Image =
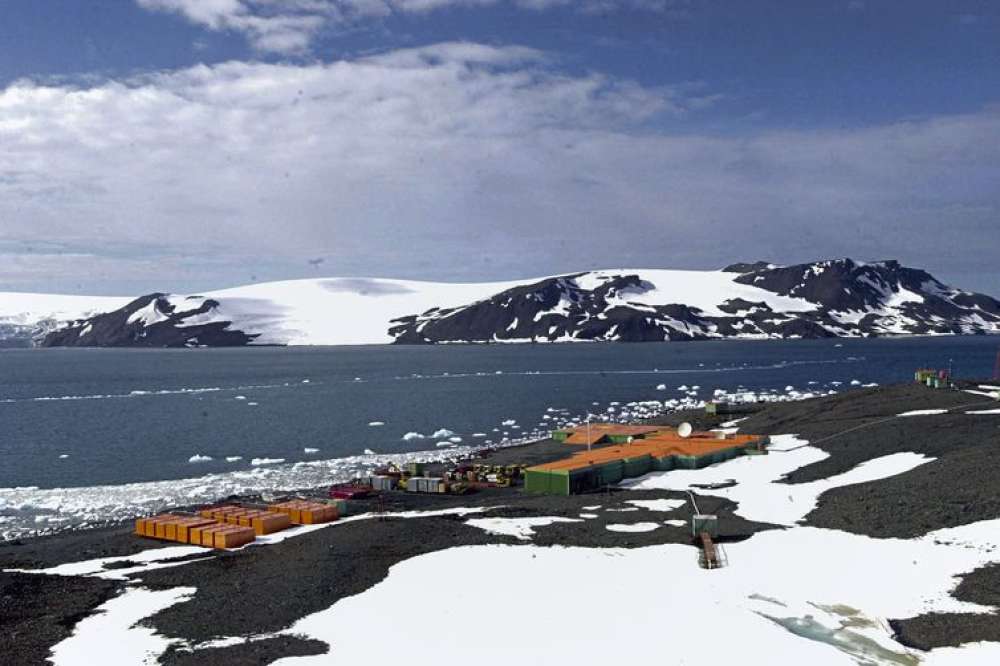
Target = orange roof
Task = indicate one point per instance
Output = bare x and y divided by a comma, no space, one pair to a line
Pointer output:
658,446
578,435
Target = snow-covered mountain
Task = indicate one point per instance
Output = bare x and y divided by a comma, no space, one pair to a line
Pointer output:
821,299
26,318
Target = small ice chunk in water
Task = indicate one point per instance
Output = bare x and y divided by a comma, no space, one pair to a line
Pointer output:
508,422
266,461
369,452
455,439
376,424
234,458
310,450
661,387
855,382
64,456
197,458
479,434
442,432
410,436
305,381
446,443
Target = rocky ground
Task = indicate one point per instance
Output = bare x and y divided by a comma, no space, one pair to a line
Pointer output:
277,585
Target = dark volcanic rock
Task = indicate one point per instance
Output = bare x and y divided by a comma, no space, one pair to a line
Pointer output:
747,268
837,298
151,321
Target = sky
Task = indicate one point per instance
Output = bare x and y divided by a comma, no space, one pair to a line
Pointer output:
187,145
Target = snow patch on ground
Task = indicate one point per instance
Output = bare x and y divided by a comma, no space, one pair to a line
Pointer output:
760,495
769,599
632,527
521,528
924,412
657,504
113,637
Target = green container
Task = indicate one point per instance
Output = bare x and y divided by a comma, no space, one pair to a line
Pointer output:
636,466
664,464
560,435
548,482
686,462
610,473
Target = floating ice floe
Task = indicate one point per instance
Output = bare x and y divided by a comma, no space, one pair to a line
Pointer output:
376,424
441,433
369,452
507,423
310,450
234,458
198,458
240,397
444,443
63,456
661,387
410,436
266,461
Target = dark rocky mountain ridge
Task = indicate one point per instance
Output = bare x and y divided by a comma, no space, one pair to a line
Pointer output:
834,298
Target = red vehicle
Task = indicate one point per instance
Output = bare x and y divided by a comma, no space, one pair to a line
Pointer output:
350,491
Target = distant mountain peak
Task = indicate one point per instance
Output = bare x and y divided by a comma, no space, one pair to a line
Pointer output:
829,298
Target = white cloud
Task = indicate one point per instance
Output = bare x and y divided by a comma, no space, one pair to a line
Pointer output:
490,154
288,26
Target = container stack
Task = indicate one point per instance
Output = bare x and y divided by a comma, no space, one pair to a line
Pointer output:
261,522
194,530
425,484
301,512
383,482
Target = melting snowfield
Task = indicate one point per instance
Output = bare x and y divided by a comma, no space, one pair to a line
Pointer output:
779,596
760,496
